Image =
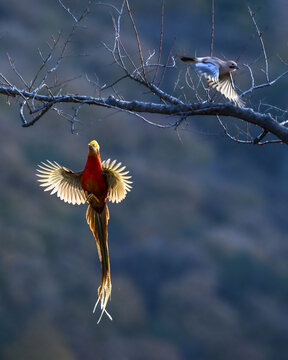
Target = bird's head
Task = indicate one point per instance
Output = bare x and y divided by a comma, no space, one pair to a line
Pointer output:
232,65
93,147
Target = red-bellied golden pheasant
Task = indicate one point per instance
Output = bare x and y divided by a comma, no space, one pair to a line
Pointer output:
98,182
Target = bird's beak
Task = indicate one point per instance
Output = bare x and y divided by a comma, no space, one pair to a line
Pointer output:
237,67
93,147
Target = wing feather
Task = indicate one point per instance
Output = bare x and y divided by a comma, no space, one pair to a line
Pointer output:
209,70
118,182
225,86
62,181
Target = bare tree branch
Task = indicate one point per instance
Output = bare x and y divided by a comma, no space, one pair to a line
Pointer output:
265,121
39,96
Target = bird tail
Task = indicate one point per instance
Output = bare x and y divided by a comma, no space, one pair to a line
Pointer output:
189,60
98,223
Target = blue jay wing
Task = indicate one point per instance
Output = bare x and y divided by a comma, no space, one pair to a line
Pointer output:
209,70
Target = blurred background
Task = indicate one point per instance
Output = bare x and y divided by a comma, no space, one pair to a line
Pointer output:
199,247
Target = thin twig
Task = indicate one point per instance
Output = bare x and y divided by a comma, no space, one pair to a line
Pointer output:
251,75
212,27
12,64
160,41
68,11
260,137
137,39
270,83
45,60
117,37
166,65
262,43
39,116
231,137
105,87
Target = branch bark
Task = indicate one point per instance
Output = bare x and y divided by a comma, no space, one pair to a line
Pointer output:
33,106
265,121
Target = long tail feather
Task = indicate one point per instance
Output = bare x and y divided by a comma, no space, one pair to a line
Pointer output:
98,224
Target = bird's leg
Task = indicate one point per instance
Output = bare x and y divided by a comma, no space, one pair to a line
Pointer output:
93,200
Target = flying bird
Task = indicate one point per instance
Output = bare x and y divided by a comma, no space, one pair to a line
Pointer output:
218,75
99,181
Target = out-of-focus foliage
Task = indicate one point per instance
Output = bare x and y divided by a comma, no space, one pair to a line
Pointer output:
199,247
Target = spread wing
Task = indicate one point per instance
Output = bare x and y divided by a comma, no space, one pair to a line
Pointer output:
117,180
209,70
62,181
225,86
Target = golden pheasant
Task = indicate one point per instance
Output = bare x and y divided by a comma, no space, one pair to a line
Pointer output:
98,182
218,74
